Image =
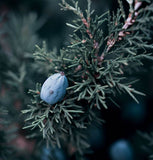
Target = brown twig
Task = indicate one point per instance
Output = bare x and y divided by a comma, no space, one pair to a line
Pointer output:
95,43
129,22
86,23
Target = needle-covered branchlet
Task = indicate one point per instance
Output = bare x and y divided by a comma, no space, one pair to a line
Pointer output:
128,23
95,63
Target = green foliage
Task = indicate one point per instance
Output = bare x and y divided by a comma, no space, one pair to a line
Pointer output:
6,135
96,65
17,47
3,147
59,121
145,143
21,38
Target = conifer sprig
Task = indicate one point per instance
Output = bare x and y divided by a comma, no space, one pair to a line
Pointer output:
95,64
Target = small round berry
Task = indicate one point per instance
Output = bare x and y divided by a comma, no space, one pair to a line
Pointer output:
54,88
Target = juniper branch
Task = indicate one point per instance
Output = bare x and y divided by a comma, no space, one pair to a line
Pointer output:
93,77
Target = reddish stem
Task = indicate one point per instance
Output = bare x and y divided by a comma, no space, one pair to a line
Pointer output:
129,22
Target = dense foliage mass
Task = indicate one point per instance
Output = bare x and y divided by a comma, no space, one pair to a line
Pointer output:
96,64
99,63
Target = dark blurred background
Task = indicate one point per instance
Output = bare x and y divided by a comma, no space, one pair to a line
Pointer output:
119,137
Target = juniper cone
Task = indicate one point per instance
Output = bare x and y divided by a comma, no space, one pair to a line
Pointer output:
54,88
